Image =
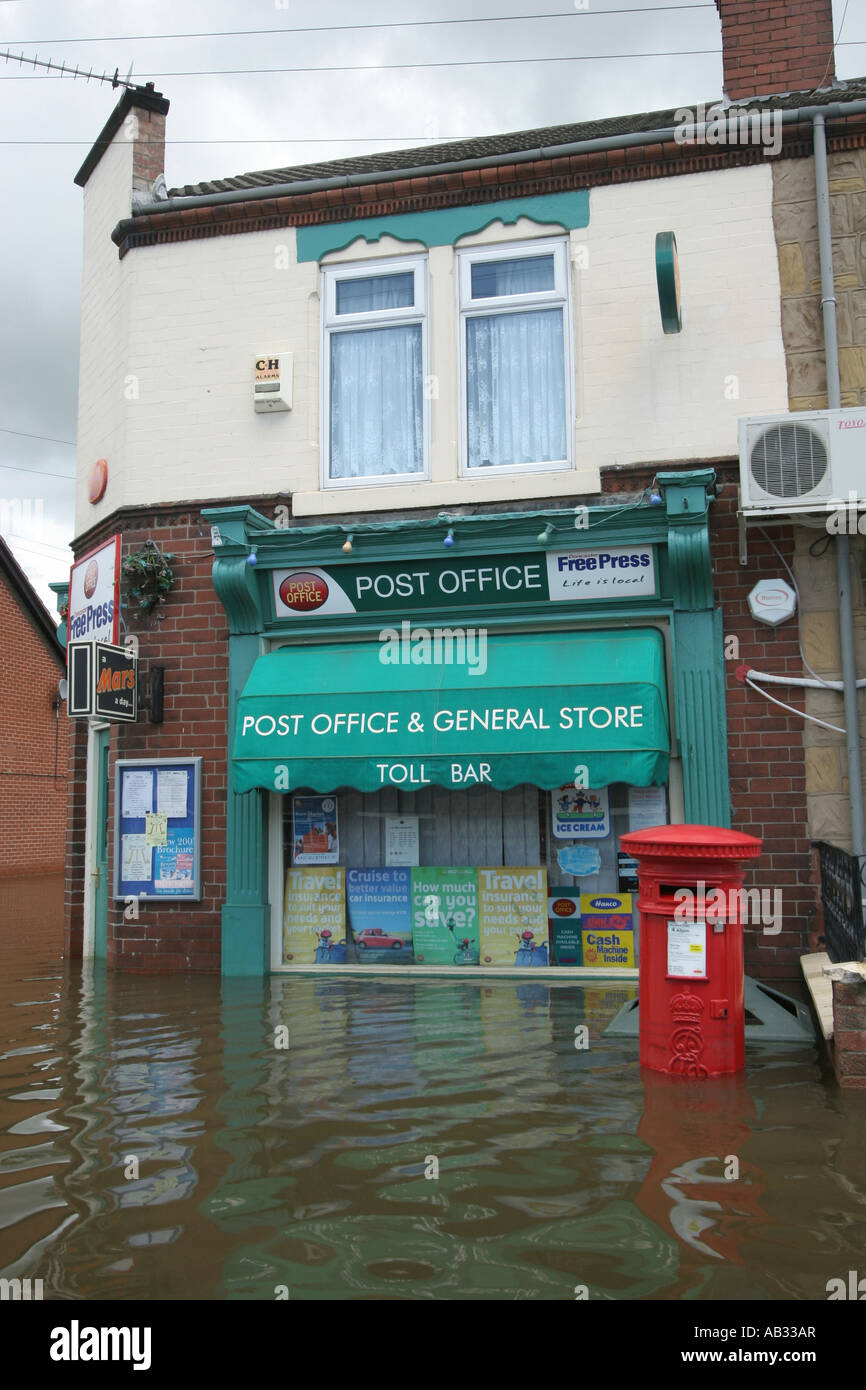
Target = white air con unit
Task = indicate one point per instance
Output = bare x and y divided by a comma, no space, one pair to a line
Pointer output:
807,461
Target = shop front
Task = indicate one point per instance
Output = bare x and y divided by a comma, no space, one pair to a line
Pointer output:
439,730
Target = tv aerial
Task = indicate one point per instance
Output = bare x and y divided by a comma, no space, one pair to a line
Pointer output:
66,71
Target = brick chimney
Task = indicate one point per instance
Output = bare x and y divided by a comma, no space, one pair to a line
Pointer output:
137,124
776,46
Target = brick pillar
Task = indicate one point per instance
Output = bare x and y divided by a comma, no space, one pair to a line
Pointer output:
148,151
776,46
849,1034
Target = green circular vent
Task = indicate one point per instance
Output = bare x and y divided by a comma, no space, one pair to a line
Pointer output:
788,461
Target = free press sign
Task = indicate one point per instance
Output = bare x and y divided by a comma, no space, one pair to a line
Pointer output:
94,608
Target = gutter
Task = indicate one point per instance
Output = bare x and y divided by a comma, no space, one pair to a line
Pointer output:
594,145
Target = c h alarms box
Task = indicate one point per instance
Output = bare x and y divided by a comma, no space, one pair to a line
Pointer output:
272,388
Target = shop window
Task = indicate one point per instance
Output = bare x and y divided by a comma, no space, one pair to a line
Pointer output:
516,356
374,369
520,878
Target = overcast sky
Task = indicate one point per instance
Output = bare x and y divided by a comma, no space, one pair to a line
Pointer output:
227,123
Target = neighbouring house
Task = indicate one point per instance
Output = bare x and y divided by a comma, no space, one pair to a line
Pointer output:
34,730
485,395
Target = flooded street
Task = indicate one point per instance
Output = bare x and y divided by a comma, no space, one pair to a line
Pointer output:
416,1139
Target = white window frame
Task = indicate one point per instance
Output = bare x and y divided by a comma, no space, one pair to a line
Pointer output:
559,296
332,322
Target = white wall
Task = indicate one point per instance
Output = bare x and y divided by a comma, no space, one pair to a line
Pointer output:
181,325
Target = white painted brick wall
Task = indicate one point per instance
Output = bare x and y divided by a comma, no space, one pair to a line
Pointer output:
188,320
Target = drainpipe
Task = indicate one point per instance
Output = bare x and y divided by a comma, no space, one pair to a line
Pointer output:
843,555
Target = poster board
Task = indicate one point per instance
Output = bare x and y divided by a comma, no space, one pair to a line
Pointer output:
157,828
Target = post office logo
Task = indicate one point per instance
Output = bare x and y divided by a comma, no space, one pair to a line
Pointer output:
303,592
564,907
91,579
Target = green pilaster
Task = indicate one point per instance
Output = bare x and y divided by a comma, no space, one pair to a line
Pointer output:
245,914
699,692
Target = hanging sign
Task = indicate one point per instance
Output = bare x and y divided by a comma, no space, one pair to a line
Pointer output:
314,830
580,814
94,607
103,681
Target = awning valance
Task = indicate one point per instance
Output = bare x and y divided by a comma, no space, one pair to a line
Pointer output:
503,710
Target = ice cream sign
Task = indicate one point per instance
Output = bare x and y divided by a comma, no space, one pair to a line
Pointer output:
558,576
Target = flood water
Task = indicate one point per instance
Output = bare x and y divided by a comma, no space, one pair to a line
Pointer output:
157,1143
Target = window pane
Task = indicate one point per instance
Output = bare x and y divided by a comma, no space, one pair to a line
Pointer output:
377,411
515,388
522,275
370,292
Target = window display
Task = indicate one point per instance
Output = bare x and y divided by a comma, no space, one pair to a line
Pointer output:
498,884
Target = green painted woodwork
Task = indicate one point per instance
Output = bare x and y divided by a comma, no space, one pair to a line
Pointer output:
445,226
62,592
699,702
245,914
679,531
668,282
100,904
597,699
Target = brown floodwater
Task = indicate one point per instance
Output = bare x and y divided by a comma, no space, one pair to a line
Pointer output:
416,1139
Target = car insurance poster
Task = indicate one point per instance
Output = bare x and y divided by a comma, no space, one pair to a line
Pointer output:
512,913
314,916
445,916
380,919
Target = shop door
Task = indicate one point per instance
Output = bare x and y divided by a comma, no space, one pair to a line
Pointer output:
100,905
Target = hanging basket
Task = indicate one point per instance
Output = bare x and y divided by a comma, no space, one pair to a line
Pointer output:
149,577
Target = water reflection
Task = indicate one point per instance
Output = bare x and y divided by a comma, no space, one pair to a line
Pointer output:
429,1139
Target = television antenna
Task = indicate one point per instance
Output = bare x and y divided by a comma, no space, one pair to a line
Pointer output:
66,71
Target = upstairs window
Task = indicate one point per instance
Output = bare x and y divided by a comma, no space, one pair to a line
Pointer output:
375,362
515,357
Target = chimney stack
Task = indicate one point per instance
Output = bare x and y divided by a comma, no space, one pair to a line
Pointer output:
776,46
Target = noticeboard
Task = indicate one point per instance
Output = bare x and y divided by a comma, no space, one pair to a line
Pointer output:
157,828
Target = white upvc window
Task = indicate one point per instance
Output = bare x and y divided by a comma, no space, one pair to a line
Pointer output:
375,423
516,364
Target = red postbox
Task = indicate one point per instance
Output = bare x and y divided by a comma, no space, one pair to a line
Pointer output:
690,879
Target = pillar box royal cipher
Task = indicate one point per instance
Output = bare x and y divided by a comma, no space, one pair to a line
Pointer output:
692,1020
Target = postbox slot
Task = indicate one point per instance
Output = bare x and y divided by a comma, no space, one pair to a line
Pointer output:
670,890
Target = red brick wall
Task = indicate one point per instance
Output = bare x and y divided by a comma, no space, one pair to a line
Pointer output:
776,46
32,746
188,636
766,758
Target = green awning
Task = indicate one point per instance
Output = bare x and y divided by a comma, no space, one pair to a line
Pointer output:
526,707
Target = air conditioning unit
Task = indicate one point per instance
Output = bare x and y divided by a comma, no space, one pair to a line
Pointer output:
807,461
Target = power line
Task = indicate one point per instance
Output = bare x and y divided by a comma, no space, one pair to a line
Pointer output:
22,434
452,63
355,28
42,472
265,140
